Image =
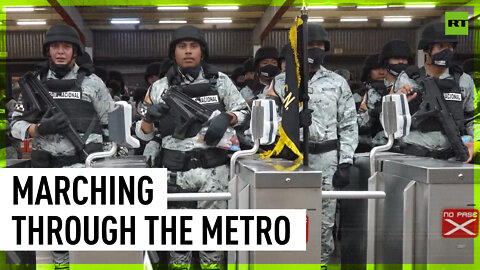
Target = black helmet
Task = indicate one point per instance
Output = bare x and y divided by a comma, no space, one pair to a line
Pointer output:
435,33
371,62
248,65
188,32
468,65
152,69
62,33
317,33
239,71
264,53
395,49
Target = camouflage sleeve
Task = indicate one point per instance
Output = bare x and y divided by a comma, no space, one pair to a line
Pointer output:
19,127
102,102
232,99
279,85
347,128
247,93
468,92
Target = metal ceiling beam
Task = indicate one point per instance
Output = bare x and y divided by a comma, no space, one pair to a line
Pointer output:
72,17
269,19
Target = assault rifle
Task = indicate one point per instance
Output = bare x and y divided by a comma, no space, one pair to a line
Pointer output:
187,110
434,105
36,98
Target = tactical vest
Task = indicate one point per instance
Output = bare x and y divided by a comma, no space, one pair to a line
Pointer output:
452,94
203,93
68,95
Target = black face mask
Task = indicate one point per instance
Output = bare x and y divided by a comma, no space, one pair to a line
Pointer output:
443,58
191,72
269,71
315,57
60,71
241,84
396,69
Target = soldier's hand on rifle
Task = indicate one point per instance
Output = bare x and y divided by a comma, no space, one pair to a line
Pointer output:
306,118
216,128
54,124
153,112
408,90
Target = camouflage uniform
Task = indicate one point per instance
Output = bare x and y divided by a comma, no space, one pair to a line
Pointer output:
247,92
435,140
366,120
200,180
94,91
334,117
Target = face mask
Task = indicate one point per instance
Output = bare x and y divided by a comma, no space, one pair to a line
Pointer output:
269,71
60,71
443,58
315,57
191,72
241,84
396,69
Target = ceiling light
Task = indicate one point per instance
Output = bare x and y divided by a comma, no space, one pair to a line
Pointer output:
396,19
222,7
371,7
125,21
217,20
18,9
353,19
322,7
315,19
31,22
173,21
171,8
396,6
419,6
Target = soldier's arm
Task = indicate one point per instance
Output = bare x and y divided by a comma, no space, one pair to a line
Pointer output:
234,103
146,130
22,129
102,102
347,127
468,89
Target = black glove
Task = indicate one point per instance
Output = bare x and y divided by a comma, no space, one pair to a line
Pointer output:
153,112
341,178
306,118
56,123
216,128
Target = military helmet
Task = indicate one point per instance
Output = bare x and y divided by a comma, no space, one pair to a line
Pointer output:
435,33
188,32
395,49
62,33
248,65
264,53
317,33
153,69
283,51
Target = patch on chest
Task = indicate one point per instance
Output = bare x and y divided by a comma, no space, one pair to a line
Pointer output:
207,99
452,96
66,95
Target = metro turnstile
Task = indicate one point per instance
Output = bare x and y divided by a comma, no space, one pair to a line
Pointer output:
409,221
277,184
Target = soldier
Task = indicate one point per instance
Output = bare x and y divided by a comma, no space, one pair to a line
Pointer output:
199,167
81,95
333,132
238,77
152,72
457,88
373,75
395,57
266,68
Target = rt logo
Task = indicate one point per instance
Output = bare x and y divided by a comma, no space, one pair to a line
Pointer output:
456,23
